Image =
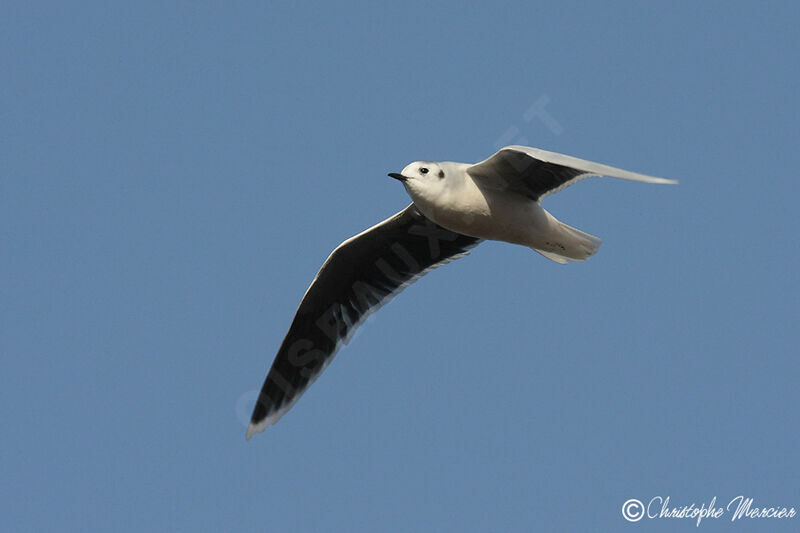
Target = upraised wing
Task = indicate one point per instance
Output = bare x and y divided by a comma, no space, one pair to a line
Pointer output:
537,173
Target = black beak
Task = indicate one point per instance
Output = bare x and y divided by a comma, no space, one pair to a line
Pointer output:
397,176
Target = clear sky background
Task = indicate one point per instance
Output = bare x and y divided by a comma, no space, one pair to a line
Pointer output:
173,174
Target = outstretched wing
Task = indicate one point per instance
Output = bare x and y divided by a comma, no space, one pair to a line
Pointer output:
360,276
537,173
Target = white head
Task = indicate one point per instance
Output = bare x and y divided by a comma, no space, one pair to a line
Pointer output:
425,180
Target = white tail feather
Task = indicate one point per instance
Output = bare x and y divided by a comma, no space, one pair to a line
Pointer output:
566,243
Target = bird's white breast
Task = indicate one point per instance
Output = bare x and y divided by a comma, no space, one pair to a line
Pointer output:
493,214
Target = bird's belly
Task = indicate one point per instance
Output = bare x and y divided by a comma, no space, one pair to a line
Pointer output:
501,217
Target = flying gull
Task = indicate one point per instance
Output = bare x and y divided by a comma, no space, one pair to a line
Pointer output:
454,207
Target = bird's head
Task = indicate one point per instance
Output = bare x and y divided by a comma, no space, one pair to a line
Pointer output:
423,178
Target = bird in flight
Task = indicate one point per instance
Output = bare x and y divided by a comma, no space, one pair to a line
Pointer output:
454,207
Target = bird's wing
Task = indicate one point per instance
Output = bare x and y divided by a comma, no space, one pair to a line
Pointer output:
537,173
362,274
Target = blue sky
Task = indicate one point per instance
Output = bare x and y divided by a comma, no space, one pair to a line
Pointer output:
172,176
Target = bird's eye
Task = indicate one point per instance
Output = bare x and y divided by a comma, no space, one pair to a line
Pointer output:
441,173
423,170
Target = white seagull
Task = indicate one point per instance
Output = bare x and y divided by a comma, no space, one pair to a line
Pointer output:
454,207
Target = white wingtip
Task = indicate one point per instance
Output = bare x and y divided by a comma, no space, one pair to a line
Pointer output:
652,179
611,172
252,429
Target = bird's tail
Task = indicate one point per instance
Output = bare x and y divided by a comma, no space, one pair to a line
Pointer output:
564,243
